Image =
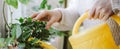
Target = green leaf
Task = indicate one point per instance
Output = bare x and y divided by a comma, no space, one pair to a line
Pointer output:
36,48
13,32
18,31
21,45
56,32
32,42
6,47
13,3
21,20
48,7
8,41
2,44
29,19
35,29
61,1
24,1
26,36
42,5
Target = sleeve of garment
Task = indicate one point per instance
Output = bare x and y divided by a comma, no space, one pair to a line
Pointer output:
115,6
69,17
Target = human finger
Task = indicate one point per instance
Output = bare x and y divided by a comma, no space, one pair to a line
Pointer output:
34,15
50,22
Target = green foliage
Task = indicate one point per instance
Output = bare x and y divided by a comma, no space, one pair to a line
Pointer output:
42,5
21,44
35,29
34,44
29,28
24,1
21,20
2,42
56,32
61,1
13,3
16,31
8,41
13,32
48,7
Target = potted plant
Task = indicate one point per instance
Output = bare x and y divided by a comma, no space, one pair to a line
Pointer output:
28,33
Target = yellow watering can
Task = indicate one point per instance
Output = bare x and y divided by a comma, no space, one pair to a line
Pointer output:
42,44
98,37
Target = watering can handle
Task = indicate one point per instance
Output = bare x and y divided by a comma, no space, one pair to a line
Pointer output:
83,17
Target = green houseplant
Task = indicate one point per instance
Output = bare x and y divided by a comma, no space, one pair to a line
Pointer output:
19,33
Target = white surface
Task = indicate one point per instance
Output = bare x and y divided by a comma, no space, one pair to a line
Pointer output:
57,42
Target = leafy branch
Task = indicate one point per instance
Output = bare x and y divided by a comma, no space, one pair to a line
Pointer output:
33,28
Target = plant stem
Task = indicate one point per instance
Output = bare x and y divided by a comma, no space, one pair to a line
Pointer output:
5,16
11,13
8,27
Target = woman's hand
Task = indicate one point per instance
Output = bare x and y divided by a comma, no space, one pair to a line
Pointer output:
101,10
51,16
